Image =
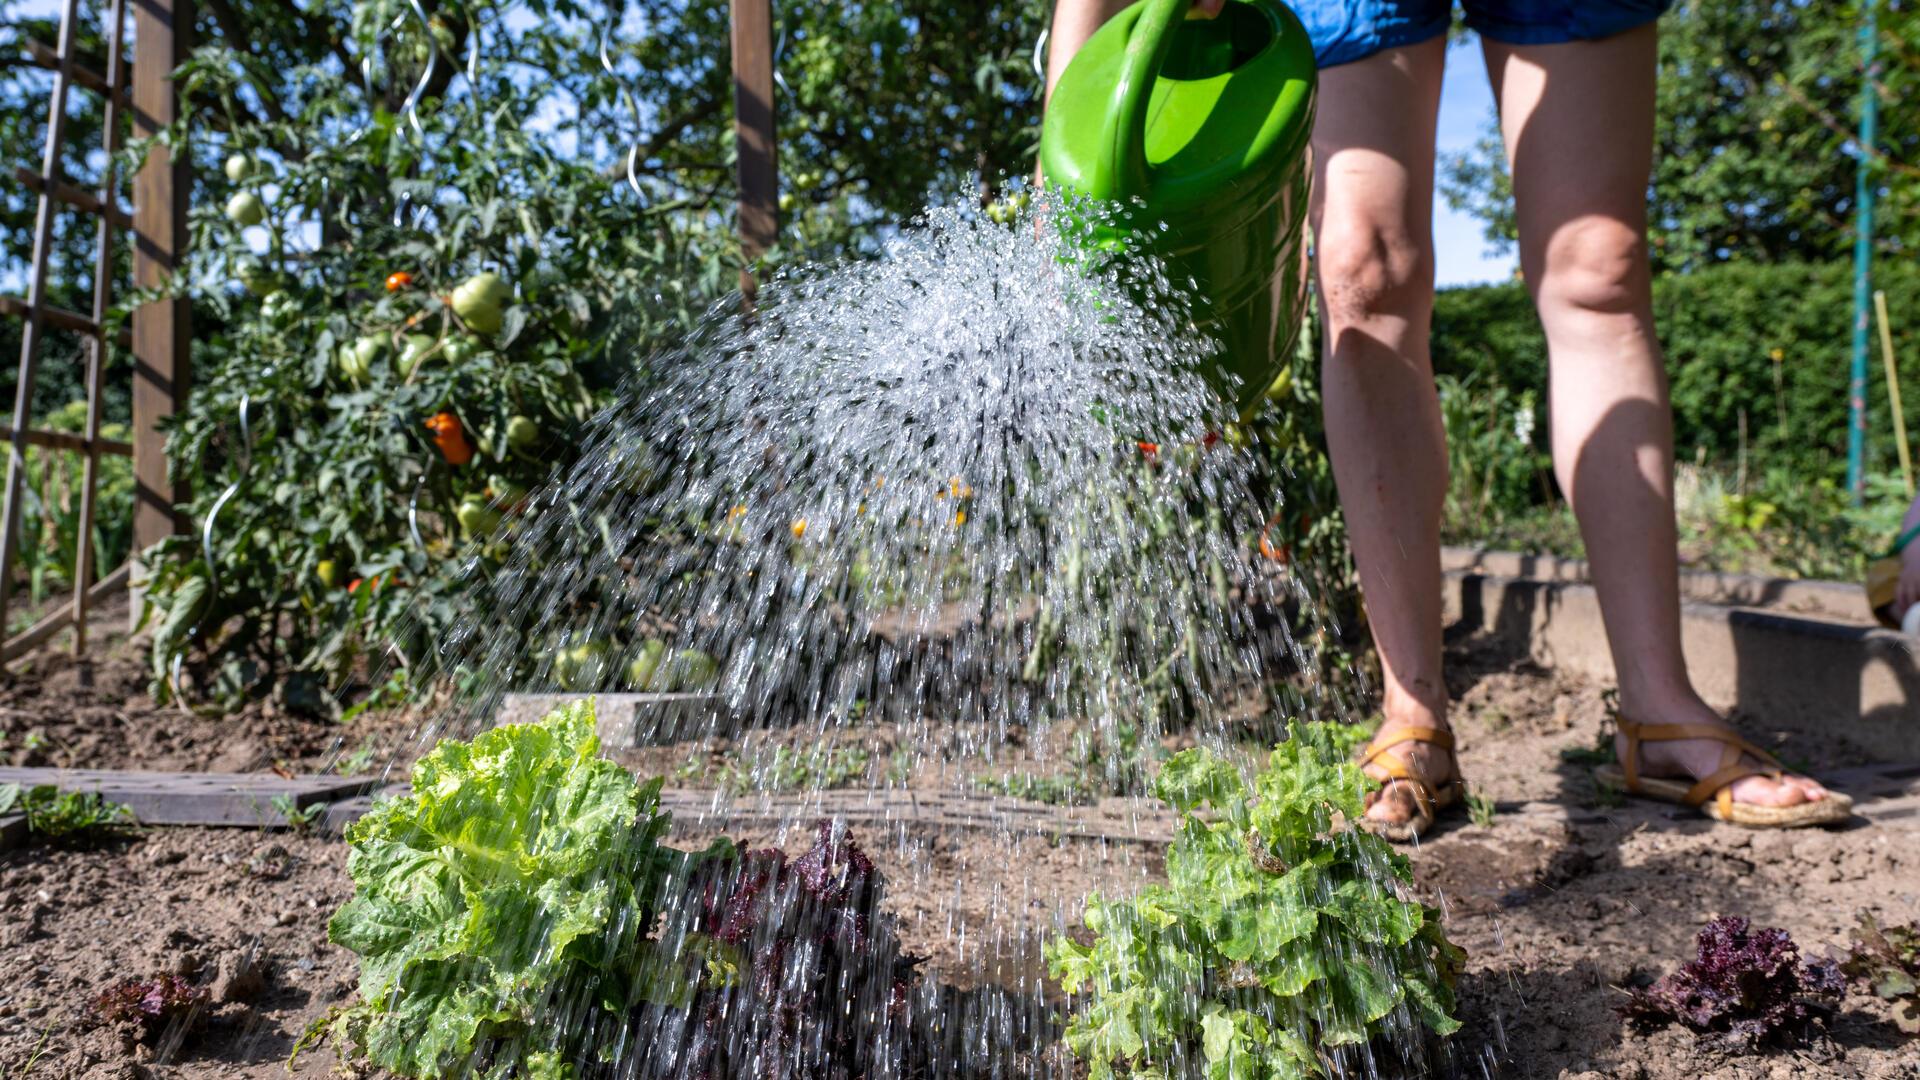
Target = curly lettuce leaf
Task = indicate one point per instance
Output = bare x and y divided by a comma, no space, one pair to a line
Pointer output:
502,880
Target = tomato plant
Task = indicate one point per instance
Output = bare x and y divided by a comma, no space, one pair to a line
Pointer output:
366,418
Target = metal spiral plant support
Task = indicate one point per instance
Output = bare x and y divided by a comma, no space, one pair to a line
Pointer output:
411,107
626,96
245,458
413,507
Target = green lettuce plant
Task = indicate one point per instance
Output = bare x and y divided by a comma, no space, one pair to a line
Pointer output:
1281,941
512,885
519,915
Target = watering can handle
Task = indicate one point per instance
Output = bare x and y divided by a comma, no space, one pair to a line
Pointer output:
1148,42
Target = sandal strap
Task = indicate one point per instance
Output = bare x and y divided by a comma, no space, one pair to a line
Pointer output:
1397,772
1720,783
1734,748
1441,739
1424,793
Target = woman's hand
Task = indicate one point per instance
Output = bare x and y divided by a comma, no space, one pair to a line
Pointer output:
1206,9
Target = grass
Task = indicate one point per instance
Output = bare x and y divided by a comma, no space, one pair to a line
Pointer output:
1481,810
300,819
67,817
1600,753
356,762
39,1050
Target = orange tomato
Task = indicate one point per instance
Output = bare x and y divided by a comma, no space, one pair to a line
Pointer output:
398,280
373,586
450,438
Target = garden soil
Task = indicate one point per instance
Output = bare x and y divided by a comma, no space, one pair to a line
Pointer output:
1564,900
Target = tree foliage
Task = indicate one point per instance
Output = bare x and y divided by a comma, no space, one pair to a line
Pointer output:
1754,349
1755,150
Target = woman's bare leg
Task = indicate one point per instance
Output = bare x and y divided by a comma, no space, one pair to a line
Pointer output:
1578,123
1372,216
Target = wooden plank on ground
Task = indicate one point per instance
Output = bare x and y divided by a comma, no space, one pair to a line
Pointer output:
175,798
345,812
1883,793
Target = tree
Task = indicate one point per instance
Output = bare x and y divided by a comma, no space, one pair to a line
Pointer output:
1754,157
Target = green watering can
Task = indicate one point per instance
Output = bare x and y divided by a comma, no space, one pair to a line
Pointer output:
1206,122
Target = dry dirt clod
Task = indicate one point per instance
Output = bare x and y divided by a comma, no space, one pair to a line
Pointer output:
239,976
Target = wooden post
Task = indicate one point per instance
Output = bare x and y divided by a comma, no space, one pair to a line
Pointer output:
1893,390
162,330
759,167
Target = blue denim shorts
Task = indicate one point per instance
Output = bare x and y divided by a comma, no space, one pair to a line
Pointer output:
1347,30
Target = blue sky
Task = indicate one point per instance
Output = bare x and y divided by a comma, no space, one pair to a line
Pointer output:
1465,105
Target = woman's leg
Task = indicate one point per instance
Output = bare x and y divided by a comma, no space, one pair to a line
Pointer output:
1578,123
1372,217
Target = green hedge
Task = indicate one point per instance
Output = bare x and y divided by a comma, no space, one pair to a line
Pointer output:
1721,328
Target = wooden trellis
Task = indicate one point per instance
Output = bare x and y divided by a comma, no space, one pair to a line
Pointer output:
160,329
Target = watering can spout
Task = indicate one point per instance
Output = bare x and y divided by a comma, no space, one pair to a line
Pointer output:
1202,125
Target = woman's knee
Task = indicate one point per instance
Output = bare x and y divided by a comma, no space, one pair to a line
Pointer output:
1594,265
1370,268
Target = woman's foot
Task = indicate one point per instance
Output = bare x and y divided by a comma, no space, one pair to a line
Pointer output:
1417,751
1696,759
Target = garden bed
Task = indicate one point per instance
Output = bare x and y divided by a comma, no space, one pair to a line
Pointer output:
1561,901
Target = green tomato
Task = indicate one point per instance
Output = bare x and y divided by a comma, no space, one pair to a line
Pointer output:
460,348
580,667
522,432
413,352
691,669
480,301
507,491
788,201
641,669
477,519
256,278
356,360
278,307
246,209
328,572
238,167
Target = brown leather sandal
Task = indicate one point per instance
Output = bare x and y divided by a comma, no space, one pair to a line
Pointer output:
1712,795
1427,800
